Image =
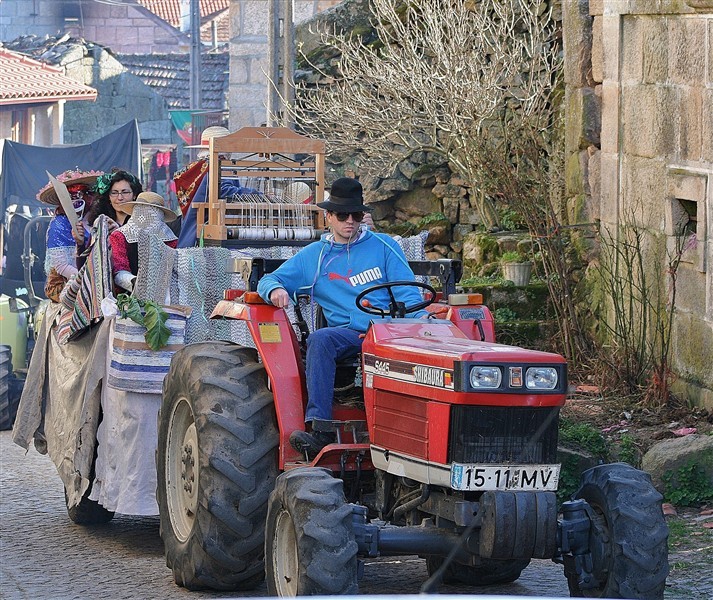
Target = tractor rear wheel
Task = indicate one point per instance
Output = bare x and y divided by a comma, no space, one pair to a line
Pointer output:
217,463
629,539
488,572
309,543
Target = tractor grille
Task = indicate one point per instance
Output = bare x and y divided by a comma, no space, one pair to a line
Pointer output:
522,435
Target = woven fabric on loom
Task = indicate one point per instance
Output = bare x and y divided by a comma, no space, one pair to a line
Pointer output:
134,367
81,297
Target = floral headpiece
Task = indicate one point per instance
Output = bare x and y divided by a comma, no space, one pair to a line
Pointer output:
104,182
69,177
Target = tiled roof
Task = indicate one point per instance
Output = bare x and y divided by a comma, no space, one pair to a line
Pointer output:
24,80
170,11
168,75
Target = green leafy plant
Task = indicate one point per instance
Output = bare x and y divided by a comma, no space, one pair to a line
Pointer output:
687,485
513,256
503,315
629,451
511,220
431,219
150,315
584,436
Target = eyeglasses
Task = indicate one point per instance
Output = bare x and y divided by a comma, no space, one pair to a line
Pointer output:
357,216
115,193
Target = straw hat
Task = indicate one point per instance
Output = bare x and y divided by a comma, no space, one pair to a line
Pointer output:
70,177
209,133
150,199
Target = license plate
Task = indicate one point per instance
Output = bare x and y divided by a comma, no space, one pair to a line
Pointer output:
537,478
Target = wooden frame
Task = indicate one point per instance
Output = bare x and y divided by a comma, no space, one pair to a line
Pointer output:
267,153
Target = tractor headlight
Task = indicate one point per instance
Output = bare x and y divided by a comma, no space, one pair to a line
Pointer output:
485,377
541,378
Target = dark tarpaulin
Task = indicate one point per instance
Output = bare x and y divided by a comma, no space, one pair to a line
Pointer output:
24,166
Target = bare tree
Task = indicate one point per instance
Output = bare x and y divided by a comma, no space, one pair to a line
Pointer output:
444,77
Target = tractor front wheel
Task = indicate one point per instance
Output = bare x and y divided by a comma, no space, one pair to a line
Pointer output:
628,541
217,463
309,543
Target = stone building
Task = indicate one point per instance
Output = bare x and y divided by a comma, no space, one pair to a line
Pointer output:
121,95
639,93
141,27
249,56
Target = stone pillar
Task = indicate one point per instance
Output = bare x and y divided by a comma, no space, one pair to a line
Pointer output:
583,111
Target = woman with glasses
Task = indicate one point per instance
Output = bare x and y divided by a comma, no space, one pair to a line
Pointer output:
334,271
114,190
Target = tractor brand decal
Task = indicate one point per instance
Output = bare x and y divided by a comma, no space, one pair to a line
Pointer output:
429,375
269,333
403,371
515,376
381,367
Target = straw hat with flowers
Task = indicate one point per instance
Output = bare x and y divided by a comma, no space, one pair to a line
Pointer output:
70,177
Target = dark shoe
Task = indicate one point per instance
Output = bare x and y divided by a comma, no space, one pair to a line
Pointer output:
310,444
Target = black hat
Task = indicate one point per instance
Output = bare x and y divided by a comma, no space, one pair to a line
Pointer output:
345,196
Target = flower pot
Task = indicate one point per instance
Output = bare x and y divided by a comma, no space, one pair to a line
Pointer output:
518,273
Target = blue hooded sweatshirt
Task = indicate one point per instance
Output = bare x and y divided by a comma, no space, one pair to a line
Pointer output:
334,274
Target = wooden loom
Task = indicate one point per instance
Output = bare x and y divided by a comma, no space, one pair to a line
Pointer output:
286,168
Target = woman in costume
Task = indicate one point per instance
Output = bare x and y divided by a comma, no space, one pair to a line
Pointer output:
63,244
149,216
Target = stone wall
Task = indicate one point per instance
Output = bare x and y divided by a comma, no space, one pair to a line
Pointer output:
121,97
639,95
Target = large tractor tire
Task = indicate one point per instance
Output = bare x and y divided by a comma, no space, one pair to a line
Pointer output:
88,512
217,463
7,414
488,572
629,539
309,543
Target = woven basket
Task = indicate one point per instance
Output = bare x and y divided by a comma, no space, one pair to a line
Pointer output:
134,366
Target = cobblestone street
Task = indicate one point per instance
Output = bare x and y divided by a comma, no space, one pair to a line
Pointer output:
45,555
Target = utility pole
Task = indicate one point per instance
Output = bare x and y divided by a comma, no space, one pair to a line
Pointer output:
281,58
195,62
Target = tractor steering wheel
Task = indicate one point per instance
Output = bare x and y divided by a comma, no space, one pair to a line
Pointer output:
396,308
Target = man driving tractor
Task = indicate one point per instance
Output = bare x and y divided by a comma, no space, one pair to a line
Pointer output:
333,271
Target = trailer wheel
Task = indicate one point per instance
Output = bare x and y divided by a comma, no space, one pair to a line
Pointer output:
88,512
629,539
217,463
488,572
309,543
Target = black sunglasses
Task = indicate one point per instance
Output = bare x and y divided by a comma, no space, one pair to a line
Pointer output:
357,216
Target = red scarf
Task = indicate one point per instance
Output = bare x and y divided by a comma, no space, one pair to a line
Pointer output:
187,181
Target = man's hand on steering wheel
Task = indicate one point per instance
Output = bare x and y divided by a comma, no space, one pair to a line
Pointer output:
396,308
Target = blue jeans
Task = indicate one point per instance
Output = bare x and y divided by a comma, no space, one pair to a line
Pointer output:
324,348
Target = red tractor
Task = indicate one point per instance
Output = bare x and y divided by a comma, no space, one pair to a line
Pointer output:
446,448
